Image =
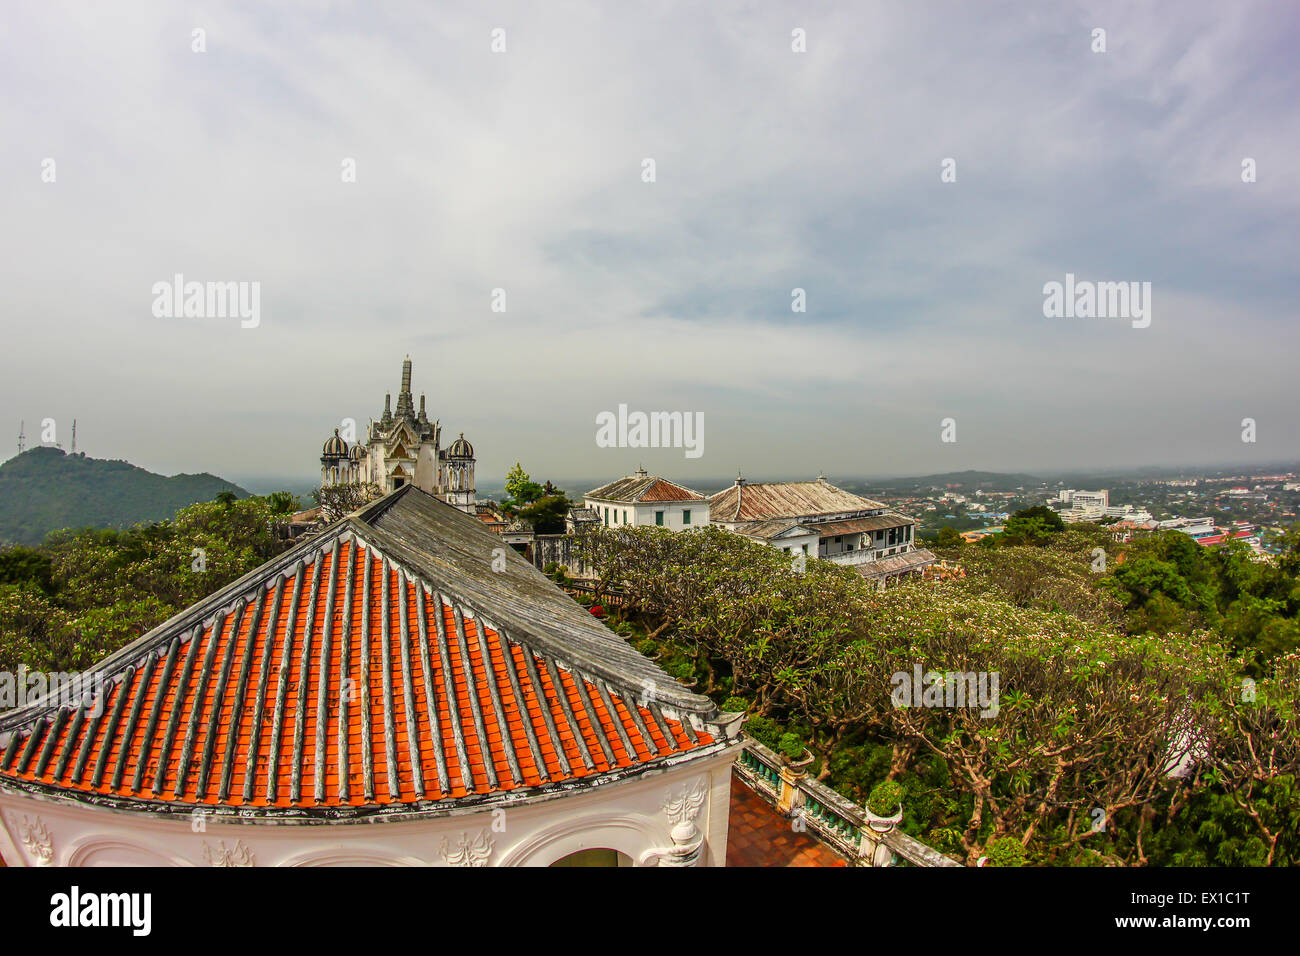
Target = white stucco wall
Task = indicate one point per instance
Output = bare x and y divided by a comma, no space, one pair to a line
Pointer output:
643,515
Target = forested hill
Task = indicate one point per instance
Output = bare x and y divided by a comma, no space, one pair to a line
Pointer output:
45,489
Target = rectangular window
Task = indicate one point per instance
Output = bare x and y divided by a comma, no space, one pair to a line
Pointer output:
686,516
606,516
805,549
659,517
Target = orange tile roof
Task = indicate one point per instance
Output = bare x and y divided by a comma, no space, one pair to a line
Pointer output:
346,680
644,487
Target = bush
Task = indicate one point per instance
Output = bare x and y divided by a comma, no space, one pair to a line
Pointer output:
1005,851
764,730
886,798
734,705
683,669
791,747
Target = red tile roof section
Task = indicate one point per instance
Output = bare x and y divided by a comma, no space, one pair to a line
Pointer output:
347,627
663,490
642,487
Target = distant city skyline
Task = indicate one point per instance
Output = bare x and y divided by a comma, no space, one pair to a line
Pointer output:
916,178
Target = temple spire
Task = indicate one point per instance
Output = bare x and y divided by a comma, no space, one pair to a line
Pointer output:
405,407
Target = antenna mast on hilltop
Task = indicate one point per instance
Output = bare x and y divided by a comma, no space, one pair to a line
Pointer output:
74,436
22,439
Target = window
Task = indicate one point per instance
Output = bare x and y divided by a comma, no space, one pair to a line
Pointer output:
839,538
786,550
686,516
606,516
805,549
625,517
659,517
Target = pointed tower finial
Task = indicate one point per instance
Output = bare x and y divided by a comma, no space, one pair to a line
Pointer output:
405,407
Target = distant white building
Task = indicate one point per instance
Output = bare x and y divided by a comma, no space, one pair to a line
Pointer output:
820,520
643,499
1123,512
1085,499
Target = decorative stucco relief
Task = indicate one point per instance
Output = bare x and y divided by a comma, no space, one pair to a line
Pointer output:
468,852
36,838
238,855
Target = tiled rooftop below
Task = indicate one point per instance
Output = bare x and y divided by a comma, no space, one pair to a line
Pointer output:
759,836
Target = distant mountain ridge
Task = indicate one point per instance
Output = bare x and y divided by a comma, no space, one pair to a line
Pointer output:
965,480
45,489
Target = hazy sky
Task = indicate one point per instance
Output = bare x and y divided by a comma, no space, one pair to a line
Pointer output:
775,170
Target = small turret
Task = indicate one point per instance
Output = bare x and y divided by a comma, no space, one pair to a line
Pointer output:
335,447
460,448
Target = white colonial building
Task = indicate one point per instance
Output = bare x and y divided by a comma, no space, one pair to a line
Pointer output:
404,448
820,520
398,690
643,499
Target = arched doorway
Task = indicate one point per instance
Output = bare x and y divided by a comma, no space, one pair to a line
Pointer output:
597,856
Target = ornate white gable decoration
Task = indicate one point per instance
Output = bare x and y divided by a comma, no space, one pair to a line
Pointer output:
467,852
239,855
688,841
687,806
36,838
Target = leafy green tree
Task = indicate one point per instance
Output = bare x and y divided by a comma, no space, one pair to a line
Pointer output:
108,587
282,502
20,565
547,513
1034,526
521,490
949,537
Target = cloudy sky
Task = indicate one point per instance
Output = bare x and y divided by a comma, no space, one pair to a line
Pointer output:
523,170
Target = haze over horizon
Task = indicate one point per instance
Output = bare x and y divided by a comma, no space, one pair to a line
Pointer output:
775,170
